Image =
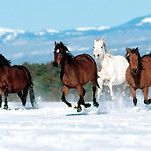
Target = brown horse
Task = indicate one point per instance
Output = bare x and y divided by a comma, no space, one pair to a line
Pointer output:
75,73
15,79
138,74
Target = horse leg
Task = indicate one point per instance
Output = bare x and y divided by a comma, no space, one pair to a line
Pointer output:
6,95
123,90
95,103
64,94
94,81
111,90
23,96
84,92
146,100
81,100
134,95
0,98
100,83
32,97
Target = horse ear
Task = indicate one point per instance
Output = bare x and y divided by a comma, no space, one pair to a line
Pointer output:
55,43
128,50
61,43
137,49
102,39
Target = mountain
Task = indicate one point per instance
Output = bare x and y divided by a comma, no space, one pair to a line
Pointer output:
20,46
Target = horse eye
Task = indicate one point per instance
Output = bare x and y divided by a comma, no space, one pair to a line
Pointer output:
93,47
102,47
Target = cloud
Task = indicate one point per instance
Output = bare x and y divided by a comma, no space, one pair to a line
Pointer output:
18,55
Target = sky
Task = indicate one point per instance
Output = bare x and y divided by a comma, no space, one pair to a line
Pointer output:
38,15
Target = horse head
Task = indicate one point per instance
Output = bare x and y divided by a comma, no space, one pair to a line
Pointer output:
59,53
134,59
99,48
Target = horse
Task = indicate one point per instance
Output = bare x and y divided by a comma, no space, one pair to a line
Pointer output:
138,74
15,79
75,73
111,69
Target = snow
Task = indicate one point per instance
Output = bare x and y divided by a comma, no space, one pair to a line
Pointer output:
12,34
145,20
92,28
115,125
50,31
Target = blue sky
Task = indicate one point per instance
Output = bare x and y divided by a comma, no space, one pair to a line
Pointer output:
37,15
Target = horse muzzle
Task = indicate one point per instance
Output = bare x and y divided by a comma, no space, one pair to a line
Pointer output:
134,71
55,64
96,56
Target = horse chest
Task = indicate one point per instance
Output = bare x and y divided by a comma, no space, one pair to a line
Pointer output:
137,82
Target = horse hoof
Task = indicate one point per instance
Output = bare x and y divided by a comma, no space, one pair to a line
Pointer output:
87,105
5,107
96,104
79,109
147,102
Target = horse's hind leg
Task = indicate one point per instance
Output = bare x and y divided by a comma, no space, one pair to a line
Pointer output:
95,103
23,96
0,98
94,81
6,95
80,90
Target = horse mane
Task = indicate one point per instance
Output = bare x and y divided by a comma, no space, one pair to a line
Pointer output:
4,61
69,56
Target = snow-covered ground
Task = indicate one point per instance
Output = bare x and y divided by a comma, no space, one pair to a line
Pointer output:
114,126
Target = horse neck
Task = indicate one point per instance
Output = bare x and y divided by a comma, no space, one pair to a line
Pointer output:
65,67
102,58
4,68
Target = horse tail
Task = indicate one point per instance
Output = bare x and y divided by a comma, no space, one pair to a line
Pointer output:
31,90
32,97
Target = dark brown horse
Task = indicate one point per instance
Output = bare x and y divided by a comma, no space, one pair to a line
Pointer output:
138,74
15,79
75,73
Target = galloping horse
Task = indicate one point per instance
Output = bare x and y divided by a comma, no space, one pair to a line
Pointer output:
75,73
15,79
111,69
138,74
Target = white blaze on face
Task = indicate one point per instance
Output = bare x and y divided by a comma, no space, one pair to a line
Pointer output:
58,51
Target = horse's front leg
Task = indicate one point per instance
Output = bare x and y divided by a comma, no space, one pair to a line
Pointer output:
146,100
6,95
123,89
134,95
100,83
111,90
64,94
65,90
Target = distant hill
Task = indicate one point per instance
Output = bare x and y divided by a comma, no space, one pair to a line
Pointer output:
20,46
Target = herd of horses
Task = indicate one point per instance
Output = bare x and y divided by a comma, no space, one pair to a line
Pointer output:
77,71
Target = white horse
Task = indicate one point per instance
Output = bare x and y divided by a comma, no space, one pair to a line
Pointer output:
111,69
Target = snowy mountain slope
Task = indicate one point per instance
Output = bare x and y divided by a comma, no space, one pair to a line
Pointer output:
21,46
